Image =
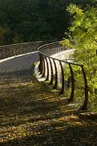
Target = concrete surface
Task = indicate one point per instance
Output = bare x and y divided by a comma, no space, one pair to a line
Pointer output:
19,62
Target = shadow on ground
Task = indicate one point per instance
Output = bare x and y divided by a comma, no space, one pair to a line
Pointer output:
31,115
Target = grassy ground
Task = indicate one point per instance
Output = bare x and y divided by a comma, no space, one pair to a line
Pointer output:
31,115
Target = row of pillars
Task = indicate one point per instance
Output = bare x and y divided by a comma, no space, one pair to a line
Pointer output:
4,53
48,68
17,50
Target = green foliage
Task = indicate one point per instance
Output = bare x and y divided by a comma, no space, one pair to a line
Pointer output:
33,20
82,36
17,39
2,33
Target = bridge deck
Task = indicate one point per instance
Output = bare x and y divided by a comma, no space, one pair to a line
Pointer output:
32,115
19,62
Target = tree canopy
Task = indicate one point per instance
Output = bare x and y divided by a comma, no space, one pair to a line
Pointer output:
31,20
82,35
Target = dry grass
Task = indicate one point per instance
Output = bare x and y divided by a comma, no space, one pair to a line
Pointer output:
31,115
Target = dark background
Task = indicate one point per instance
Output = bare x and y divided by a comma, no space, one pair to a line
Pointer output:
34,20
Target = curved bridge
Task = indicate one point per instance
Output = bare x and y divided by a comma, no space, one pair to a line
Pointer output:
18,57
49,68
30,113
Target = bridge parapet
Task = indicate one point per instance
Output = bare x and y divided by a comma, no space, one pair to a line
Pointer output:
17,49
51,67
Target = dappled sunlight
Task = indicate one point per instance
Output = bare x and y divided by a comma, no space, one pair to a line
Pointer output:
31,114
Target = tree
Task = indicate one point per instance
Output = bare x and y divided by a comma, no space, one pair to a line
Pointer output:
31,20
2,33
82,35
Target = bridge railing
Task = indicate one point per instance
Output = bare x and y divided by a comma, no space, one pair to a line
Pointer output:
17,49
49,69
